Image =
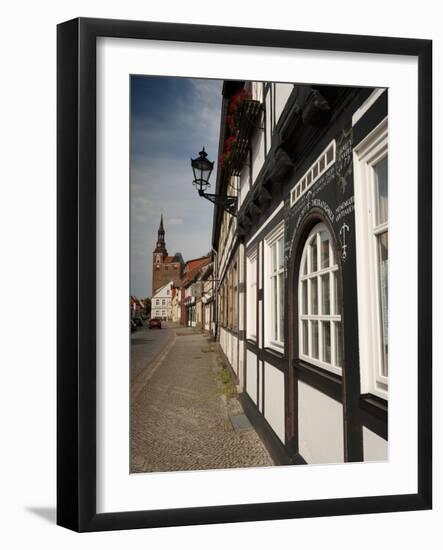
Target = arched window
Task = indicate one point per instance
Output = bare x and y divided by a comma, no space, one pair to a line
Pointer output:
320,302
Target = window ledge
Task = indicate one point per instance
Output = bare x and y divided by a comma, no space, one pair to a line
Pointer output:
320,378
279,353
374,405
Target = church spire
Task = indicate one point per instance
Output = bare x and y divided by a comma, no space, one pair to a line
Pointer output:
161,228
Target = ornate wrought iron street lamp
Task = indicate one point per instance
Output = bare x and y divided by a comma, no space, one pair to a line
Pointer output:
202,169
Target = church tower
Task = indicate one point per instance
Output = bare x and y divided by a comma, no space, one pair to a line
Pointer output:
165,268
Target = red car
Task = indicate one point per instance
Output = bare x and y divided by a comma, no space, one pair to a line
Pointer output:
155,323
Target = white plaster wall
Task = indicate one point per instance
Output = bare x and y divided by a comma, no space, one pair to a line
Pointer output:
320,424
243,185
375,448
223,340
275,400
282,93
258,153
226,350
260,386
268,121
251,375
234,354
241,377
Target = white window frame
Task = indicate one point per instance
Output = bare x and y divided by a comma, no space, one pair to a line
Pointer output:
251,294
272,238
371,150
332,317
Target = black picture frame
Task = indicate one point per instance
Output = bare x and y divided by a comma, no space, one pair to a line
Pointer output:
76,264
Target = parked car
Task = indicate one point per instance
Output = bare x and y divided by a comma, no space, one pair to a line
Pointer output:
155,323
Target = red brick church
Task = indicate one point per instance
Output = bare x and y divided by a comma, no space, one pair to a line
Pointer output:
165,268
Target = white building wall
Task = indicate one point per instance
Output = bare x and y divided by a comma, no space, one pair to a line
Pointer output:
258,153
375,448
222,339
241,365
234,353
260,386
274,405
243,185
282,93
251,375
163,294
228,347
268,119
320,426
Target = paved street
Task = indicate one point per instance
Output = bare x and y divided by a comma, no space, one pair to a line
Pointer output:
184,407
145,345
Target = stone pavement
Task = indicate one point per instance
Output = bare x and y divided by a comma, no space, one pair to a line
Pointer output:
181,410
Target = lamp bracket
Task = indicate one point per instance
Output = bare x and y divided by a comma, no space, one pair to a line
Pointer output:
227,202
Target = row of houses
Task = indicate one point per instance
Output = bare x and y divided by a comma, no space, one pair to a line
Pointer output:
302,287
188,300
139,309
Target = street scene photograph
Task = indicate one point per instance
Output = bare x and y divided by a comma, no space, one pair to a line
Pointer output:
258,307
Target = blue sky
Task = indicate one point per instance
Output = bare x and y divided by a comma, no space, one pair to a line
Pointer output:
171,119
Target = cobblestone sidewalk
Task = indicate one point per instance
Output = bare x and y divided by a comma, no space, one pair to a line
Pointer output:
180,418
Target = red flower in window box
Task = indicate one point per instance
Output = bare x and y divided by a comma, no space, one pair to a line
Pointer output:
228,148
233,108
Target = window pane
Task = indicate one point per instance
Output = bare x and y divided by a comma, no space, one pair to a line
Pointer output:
338,345
337,294
314,296
304,297
274,306
326,329
314,254
322,163
383,275
273,257
314,339
281,254
305,261
329,155
281,309
381,190
332,258
305,349
324,250
325,295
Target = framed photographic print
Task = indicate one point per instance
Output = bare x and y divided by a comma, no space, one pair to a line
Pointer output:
244,274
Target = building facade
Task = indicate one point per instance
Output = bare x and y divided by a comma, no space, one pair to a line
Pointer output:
175,305
161,302
192,291
302,297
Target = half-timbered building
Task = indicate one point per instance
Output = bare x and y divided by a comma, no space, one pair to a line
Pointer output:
302,292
